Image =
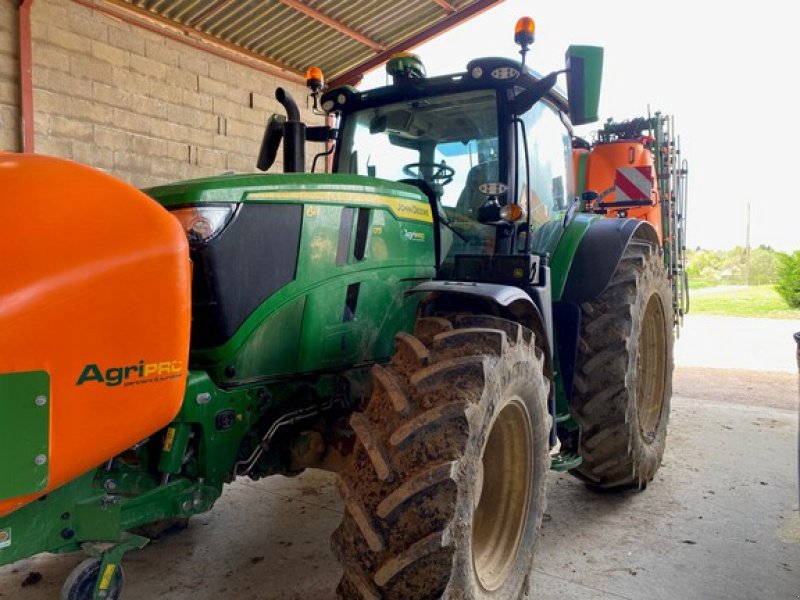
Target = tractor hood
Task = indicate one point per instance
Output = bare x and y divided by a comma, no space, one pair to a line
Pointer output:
265,246
351,190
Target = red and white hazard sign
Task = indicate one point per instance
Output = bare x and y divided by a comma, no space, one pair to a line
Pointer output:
633,184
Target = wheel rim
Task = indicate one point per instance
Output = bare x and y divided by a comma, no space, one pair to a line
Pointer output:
504,495
651,365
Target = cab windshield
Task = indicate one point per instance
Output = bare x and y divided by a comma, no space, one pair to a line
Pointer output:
446,145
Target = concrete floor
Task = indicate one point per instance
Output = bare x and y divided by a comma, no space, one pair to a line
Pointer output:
720,521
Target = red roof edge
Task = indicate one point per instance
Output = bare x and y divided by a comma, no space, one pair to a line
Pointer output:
353,76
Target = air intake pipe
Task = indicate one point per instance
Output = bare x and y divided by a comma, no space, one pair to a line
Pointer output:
294,134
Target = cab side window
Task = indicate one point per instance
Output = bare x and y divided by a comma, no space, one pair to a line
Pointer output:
550,153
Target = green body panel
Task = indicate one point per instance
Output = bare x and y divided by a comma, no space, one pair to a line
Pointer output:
564,252
580,176
563,243
239,188
24,433
46,525
218,446
302,328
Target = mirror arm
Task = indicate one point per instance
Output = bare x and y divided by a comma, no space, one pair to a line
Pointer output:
535,93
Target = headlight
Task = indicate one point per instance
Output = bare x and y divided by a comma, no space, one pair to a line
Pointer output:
203,223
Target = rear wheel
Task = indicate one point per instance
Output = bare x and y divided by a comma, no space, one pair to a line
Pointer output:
446,490
623,373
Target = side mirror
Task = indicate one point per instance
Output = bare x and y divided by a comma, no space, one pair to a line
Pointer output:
584,75
270,142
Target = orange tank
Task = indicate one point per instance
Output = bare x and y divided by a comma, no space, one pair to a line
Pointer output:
602,163
95,296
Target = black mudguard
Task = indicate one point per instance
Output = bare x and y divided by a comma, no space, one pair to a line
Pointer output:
599,254
591,270
530,306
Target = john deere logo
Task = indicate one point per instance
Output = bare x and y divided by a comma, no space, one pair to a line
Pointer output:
5,538
131,374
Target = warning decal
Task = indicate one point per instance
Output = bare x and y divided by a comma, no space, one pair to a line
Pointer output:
634,184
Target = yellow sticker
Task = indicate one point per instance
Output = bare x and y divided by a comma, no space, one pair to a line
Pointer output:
312,211
519,273
105,582
169,438
407,209
377,230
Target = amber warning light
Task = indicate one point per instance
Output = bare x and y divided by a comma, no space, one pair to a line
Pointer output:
524,32
315,82
314,79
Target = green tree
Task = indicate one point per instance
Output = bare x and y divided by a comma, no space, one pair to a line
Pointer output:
788,285
763,266
729,267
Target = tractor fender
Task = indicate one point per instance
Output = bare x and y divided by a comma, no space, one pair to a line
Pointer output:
529,306
598,255
592,267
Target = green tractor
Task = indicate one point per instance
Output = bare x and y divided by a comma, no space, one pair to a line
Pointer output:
441,320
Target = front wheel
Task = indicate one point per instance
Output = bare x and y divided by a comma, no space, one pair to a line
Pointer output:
445,494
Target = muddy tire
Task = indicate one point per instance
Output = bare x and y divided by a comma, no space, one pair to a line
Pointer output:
445,494
623,373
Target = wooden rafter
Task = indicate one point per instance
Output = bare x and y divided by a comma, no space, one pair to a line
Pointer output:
446,5
140,17
333,24
353,76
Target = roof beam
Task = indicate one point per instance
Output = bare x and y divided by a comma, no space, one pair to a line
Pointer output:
139,17
353,76
299,6
446,5
209,12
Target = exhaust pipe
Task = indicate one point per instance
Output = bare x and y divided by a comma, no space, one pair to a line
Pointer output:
294,134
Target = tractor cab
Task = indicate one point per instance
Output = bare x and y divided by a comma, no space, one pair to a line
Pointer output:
489,147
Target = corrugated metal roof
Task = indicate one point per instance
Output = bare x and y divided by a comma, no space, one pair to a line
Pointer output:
342,37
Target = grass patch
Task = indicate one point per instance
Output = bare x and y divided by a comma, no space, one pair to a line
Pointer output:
754,301
699,284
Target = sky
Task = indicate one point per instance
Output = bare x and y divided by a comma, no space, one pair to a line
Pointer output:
727,75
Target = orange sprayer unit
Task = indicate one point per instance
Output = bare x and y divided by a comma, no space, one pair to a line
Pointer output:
634,169
94,322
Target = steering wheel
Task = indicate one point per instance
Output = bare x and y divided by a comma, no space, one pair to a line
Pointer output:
442,174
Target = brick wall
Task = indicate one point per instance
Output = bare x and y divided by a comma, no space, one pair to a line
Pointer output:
142,106
9,88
